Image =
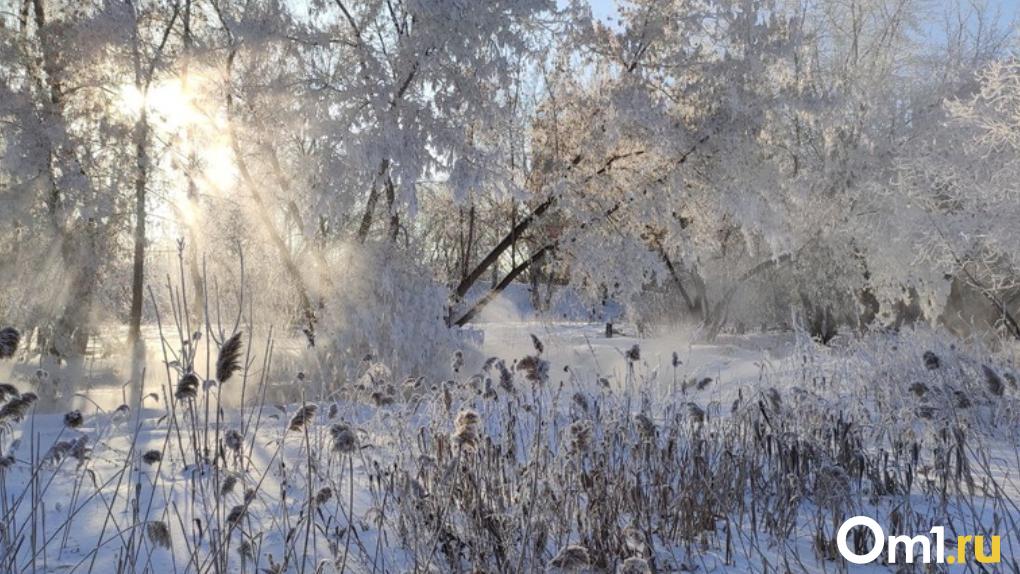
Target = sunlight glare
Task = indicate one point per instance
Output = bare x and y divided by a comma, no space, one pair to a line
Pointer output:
195,133
169,103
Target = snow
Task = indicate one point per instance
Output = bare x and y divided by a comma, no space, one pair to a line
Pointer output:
779,216
92,514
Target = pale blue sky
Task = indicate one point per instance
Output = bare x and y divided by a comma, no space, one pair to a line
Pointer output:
607,8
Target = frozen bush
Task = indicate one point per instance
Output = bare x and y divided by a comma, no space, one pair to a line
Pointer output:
385,307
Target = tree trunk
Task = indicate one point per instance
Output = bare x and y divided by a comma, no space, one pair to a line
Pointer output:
192,195
468,244
675,274
373,199
138,263
465,285
391,206
515,232
136,344
507,280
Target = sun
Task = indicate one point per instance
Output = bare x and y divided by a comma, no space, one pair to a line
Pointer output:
190,142
168,103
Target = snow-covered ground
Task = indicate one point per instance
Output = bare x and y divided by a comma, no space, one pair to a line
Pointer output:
574,440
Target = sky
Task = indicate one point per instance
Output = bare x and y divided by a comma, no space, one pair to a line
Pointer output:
603,9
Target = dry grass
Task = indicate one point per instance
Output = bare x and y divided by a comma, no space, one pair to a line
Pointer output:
512,470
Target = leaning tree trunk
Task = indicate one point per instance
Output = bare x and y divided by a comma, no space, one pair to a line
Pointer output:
514,273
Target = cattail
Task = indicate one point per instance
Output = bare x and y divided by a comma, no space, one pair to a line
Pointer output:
490,390
703,383
580,436
539,347
120,414
635,565
995,384
80,449
229,361
382,399
77,449
465,439
676,360
535,369
57,452
775,398
467,417
73,419
645,426
323,496
634,541
152,457
457,362
244,550
633,354
465,432
235,515
187,387
696,413
7,461
228,485
573,558
8,391
581,400
304,416
962,400
506,378
233,439
159,534
9,339
249,496
274,567
412,387
334,409
931,360
16,409
918,389
447,395
476,382
345,440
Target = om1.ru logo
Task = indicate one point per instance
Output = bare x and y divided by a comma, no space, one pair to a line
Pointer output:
909,545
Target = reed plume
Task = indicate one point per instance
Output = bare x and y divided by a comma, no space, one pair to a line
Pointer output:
229,361
9,339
